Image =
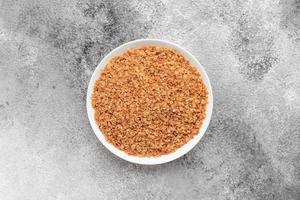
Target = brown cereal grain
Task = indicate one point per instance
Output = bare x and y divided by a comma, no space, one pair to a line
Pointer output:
149,101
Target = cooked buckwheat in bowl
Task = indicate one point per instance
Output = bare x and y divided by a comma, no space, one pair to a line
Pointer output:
149,101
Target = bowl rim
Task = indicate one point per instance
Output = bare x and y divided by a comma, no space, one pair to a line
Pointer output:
164,158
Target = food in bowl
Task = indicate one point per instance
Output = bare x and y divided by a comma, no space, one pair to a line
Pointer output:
149,101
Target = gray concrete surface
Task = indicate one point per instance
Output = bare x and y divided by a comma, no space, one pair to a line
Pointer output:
49,49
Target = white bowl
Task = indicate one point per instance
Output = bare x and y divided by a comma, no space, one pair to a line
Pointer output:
149,160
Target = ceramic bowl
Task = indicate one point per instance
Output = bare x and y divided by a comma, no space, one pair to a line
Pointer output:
149,160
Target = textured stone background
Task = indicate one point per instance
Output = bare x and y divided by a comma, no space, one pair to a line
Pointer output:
49,49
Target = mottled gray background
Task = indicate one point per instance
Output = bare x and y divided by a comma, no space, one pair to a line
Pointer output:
49,49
